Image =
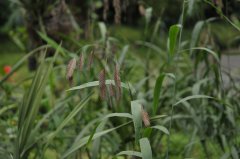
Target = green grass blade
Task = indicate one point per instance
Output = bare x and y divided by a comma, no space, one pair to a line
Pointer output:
161,128
192,97
136,109
91,135
157,90
103,30
96,83
145,148
30,106
206,50
123,54
172,39
126,115
196,34
130,153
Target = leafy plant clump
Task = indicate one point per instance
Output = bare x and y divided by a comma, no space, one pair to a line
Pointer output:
162,94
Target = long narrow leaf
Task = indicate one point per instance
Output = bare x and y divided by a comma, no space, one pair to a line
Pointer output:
192,97
96,83
172,39
136,110
161,128
157,90
145,148
130,153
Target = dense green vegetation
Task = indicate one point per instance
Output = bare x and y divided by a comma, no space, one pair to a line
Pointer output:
119,79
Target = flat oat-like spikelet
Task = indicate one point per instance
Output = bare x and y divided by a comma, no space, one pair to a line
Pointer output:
145,118
102,84
117,81
70,69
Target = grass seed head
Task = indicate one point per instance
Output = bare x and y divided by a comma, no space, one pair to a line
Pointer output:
102,84
145,118
117,81
70,69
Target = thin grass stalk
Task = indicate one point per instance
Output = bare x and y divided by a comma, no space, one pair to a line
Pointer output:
175,84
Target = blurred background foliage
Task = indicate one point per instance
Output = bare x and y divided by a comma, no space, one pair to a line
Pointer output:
176,58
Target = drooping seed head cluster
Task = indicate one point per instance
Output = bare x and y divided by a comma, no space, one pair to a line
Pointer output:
114,89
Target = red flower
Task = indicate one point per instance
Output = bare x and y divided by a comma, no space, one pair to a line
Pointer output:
7,69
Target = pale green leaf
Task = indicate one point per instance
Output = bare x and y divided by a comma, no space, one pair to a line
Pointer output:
96,83
172,39
130,153
161,128
145,148
192,97
196,34
136,109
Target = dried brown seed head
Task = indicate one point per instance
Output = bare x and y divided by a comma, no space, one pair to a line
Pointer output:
70,69
117,81
102,84
142,10
145,118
